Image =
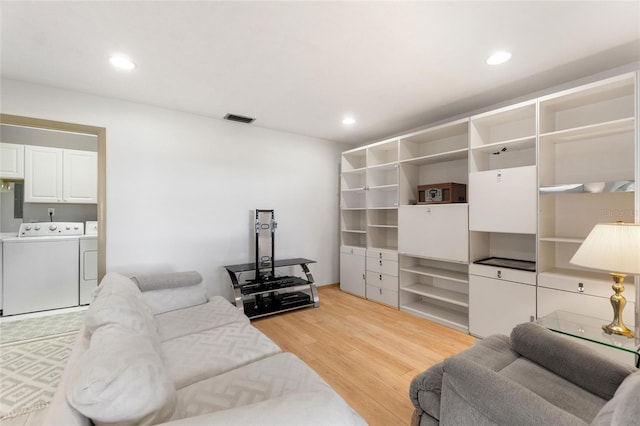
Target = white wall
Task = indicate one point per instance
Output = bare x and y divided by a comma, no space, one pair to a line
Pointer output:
181,188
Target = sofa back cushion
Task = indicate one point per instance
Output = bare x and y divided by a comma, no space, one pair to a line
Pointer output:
171,299
121,379
159,281
119,301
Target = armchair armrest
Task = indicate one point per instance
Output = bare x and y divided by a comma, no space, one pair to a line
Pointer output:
424,390
569,359
474,394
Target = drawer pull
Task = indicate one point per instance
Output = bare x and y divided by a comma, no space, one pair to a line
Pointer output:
380,290
380,255
380,262
363,277
380,277
580,288
499,274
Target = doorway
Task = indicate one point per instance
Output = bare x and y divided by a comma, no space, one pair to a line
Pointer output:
100,134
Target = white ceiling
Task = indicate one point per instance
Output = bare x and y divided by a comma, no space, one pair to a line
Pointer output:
301,66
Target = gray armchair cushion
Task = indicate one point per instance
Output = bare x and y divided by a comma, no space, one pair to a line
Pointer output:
474,394
493,352
624,408
569,359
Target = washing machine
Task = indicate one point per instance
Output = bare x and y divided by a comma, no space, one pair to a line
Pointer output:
40,267
88,262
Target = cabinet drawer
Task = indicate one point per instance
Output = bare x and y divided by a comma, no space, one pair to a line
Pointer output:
358,251
584,285
593,306
388,282
383,254
504,274
382,295
380,266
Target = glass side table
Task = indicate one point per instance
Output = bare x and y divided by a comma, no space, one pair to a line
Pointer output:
590,329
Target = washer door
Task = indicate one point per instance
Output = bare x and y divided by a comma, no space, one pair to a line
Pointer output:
40,275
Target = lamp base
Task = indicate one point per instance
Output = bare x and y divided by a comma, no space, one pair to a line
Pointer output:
614,328
617,303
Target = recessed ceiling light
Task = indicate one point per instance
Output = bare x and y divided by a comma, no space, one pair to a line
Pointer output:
122,62
499,58
349,121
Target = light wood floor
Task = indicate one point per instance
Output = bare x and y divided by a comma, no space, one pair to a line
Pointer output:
366,351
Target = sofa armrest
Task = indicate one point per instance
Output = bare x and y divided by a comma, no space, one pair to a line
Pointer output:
569,359
424,390
474,394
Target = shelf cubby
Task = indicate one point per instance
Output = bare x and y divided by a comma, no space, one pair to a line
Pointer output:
382,153
383,217
596,103
353,199
437,290
503,138
355,179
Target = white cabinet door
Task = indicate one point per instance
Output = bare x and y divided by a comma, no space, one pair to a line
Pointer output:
11,161
503,200
43,174
80,177
434,231
352,270
496,306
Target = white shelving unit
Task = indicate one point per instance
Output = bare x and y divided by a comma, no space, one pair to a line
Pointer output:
369,222
539,174
433,238
503,195
587,154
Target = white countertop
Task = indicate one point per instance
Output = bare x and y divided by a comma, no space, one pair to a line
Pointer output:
4,235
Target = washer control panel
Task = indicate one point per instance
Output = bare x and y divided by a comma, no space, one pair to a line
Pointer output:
50,229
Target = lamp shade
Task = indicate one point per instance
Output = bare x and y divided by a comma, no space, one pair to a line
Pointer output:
613,247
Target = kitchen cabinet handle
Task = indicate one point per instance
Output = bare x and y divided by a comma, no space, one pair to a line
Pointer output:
499,274
381,262
580,288
380,277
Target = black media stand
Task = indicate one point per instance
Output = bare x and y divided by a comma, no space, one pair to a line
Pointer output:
269,294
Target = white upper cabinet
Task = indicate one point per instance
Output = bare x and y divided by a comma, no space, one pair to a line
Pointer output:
11,161
503,200
80,176
43,174
54,175
434,231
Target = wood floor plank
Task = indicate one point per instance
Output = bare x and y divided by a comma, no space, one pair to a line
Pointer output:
367,352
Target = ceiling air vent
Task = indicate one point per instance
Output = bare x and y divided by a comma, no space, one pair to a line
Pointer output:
239,118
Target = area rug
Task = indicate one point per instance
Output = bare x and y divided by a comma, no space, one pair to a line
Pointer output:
33,328
30,373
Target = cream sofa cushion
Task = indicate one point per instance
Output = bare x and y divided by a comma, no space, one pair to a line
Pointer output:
121,379
119,301
170,299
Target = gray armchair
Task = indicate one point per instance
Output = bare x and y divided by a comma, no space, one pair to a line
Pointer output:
535,377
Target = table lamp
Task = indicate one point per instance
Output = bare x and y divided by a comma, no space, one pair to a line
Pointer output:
613,247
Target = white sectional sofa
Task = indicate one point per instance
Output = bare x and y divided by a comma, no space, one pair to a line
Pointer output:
156,350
